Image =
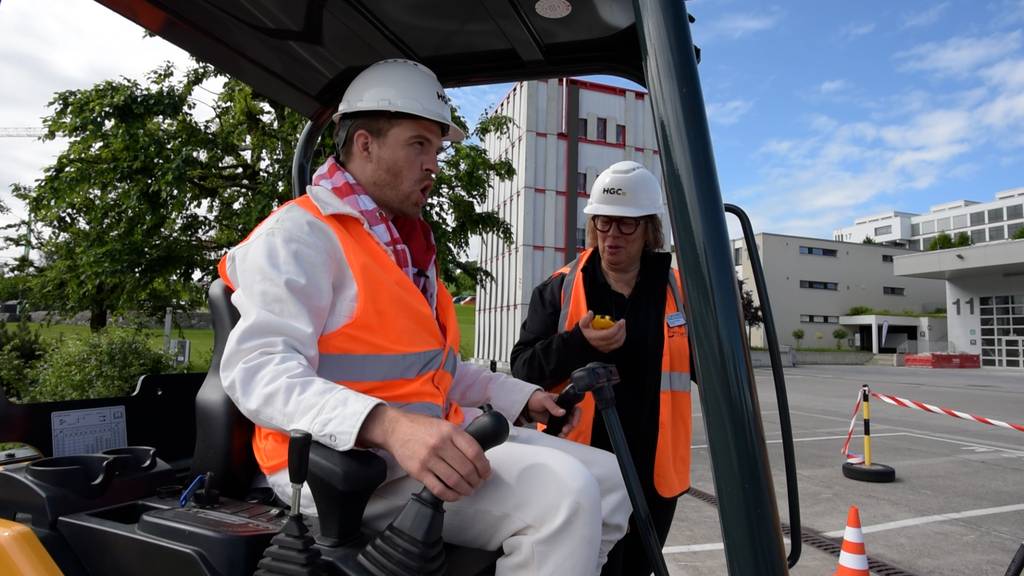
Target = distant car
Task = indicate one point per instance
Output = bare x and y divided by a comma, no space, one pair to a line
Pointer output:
468,300
460,299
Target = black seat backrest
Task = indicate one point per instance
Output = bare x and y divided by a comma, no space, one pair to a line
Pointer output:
223,434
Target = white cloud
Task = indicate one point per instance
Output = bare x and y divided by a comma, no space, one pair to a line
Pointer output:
728,113
833,86
1008,74
926,17
854,30
737,25
961,55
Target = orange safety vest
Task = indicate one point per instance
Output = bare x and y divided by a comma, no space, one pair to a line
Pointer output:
393,348
672,456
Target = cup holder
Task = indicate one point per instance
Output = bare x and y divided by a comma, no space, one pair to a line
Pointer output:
131,459
86,475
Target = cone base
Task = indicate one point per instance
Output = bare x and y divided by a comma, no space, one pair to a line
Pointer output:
872,473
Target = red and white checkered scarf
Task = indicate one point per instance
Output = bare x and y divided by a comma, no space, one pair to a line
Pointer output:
418,263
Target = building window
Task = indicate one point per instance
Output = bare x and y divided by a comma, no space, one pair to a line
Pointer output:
581,238
1015,212
959,221
914,245
818,251
602,129
996,233
737,256
928,227
977,236
581,182
880,230
620,133
915,229
942,224
995,215
886,257
818,319
581,128
977,218
1011,229
894,291
814,284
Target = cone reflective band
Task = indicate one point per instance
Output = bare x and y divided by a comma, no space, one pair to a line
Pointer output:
853,558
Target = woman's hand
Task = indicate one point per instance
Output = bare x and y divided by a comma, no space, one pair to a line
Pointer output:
603,340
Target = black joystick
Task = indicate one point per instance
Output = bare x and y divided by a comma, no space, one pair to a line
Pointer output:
291,552
412,543
567,400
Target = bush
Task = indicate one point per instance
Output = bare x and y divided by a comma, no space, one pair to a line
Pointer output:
798,335
20,351
101,365
860,310
839,334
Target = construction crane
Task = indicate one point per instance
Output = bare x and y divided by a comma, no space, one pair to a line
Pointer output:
21,132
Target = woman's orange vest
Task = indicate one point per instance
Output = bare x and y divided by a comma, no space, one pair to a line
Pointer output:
393,348
672,456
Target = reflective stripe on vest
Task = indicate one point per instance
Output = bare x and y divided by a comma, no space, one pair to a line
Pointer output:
395,347
672,454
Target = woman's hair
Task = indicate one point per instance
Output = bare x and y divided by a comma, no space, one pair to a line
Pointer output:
654,238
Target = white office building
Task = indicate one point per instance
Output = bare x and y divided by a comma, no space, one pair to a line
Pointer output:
813,283
566,132
981,222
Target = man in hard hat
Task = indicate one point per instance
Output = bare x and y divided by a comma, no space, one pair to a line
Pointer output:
628,280
346,331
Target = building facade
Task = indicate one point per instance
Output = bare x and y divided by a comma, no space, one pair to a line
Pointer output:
566,132
984,290
982,222
813,283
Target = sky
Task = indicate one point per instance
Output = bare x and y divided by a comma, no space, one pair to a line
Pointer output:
820,111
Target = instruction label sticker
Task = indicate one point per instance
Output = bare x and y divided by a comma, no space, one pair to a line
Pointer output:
89,430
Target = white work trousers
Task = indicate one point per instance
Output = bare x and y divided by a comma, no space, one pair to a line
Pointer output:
554,507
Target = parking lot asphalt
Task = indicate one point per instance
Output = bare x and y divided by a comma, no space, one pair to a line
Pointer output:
956,507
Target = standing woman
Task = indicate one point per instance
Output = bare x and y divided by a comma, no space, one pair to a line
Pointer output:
629,279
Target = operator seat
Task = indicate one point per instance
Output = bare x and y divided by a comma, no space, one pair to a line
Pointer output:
223,434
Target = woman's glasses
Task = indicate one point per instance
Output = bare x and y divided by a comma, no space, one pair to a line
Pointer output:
626,226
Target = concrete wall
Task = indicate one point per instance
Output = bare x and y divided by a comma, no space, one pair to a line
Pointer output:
859,272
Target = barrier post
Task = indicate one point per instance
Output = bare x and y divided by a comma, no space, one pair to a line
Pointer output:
865,398
867,471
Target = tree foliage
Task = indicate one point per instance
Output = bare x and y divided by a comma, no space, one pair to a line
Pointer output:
752,314
1018,235
798,335
160,179
839,334
942,241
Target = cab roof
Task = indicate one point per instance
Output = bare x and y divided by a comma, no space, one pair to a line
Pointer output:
303,53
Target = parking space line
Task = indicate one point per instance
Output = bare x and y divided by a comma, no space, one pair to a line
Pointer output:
934,518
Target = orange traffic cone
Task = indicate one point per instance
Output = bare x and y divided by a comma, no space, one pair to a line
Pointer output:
853,560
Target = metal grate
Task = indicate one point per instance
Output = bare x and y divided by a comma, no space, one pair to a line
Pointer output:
815,540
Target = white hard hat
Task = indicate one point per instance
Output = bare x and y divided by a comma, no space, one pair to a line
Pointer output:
625,189
399,85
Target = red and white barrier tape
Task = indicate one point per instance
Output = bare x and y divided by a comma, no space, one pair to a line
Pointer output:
896,401
850,457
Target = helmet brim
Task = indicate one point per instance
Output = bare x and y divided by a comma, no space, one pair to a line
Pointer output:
624,211
455,134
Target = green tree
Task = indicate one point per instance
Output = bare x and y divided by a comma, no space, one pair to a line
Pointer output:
839,334
961,240
134,214
798,335
752,314
941,242
868,240
1018,235
466,176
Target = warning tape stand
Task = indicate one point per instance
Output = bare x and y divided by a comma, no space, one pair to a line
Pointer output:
862,468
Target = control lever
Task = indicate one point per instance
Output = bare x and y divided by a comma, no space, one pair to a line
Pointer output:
567,400
599,379
291,552
412,543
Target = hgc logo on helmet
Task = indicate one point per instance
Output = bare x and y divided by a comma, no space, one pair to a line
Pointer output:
443,98
612,191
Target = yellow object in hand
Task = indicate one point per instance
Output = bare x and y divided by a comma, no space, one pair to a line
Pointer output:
602,322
